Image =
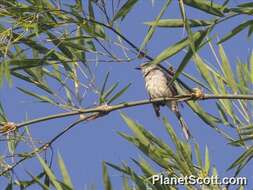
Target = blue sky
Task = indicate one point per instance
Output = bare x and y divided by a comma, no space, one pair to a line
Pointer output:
86,146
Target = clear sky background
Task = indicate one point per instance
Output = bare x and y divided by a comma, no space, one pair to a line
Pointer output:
86,146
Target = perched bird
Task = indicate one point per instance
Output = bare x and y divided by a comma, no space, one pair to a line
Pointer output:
156,83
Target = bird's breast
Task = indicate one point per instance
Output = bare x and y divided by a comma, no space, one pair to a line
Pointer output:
157,85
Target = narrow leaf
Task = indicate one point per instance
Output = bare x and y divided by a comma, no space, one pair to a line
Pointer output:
64,172
172,50
124,9
106,178
236,30
178,23
120,93
50,173
207,6
152,28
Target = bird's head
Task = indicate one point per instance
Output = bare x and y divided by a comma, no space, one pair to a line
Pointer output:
145,68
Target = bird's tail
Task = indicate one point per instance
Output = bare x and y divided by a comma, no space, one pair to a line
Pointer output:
184,126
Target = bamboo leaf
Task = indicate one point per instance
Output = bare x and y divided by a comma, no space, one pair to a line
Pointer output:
26,184
227,70
39,84
68,95
124,9
250,31
41,98
207,6
60,44
49,173
37,180
251,66
206,117
151,30
64,172
207,161
248,4
242,158
126,183
91,11
175,48
120,93
145,167
101,100
171,132
198,155
178,23
3,117
191,52
106,178
205,73
135,128
110,90
236,30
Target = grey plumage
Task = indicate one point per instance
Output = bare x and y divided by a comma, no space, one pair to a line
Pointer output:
156,83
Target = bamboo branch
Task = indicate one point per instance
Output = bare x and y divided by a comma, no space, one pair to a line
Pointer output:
106,109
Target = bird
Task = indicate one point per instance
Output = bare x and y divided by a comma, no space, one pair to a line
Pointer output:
157,85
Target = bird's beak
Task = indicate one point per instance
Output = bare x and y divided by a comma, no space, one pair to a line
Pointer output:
137,68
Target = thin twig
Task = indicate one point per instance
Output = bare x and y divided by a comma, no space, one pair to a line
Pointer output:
48,144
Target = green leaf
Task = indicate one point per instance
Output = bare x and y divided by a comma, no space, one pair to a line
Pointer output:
41,98
178,23
172,50
198,155
171,132
26,184
227,70
124,10
243,158
101,100
206,117
187,25
251,66
126,183
246,4
207,161
236,30
11,142
120,93
191,52
207,6
36,179
205,72
9,187
40,84
91,11
135,128
49,173
151,30
106,178
60,44
110,90
68,95
250,31
64,172
145,167
3,117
